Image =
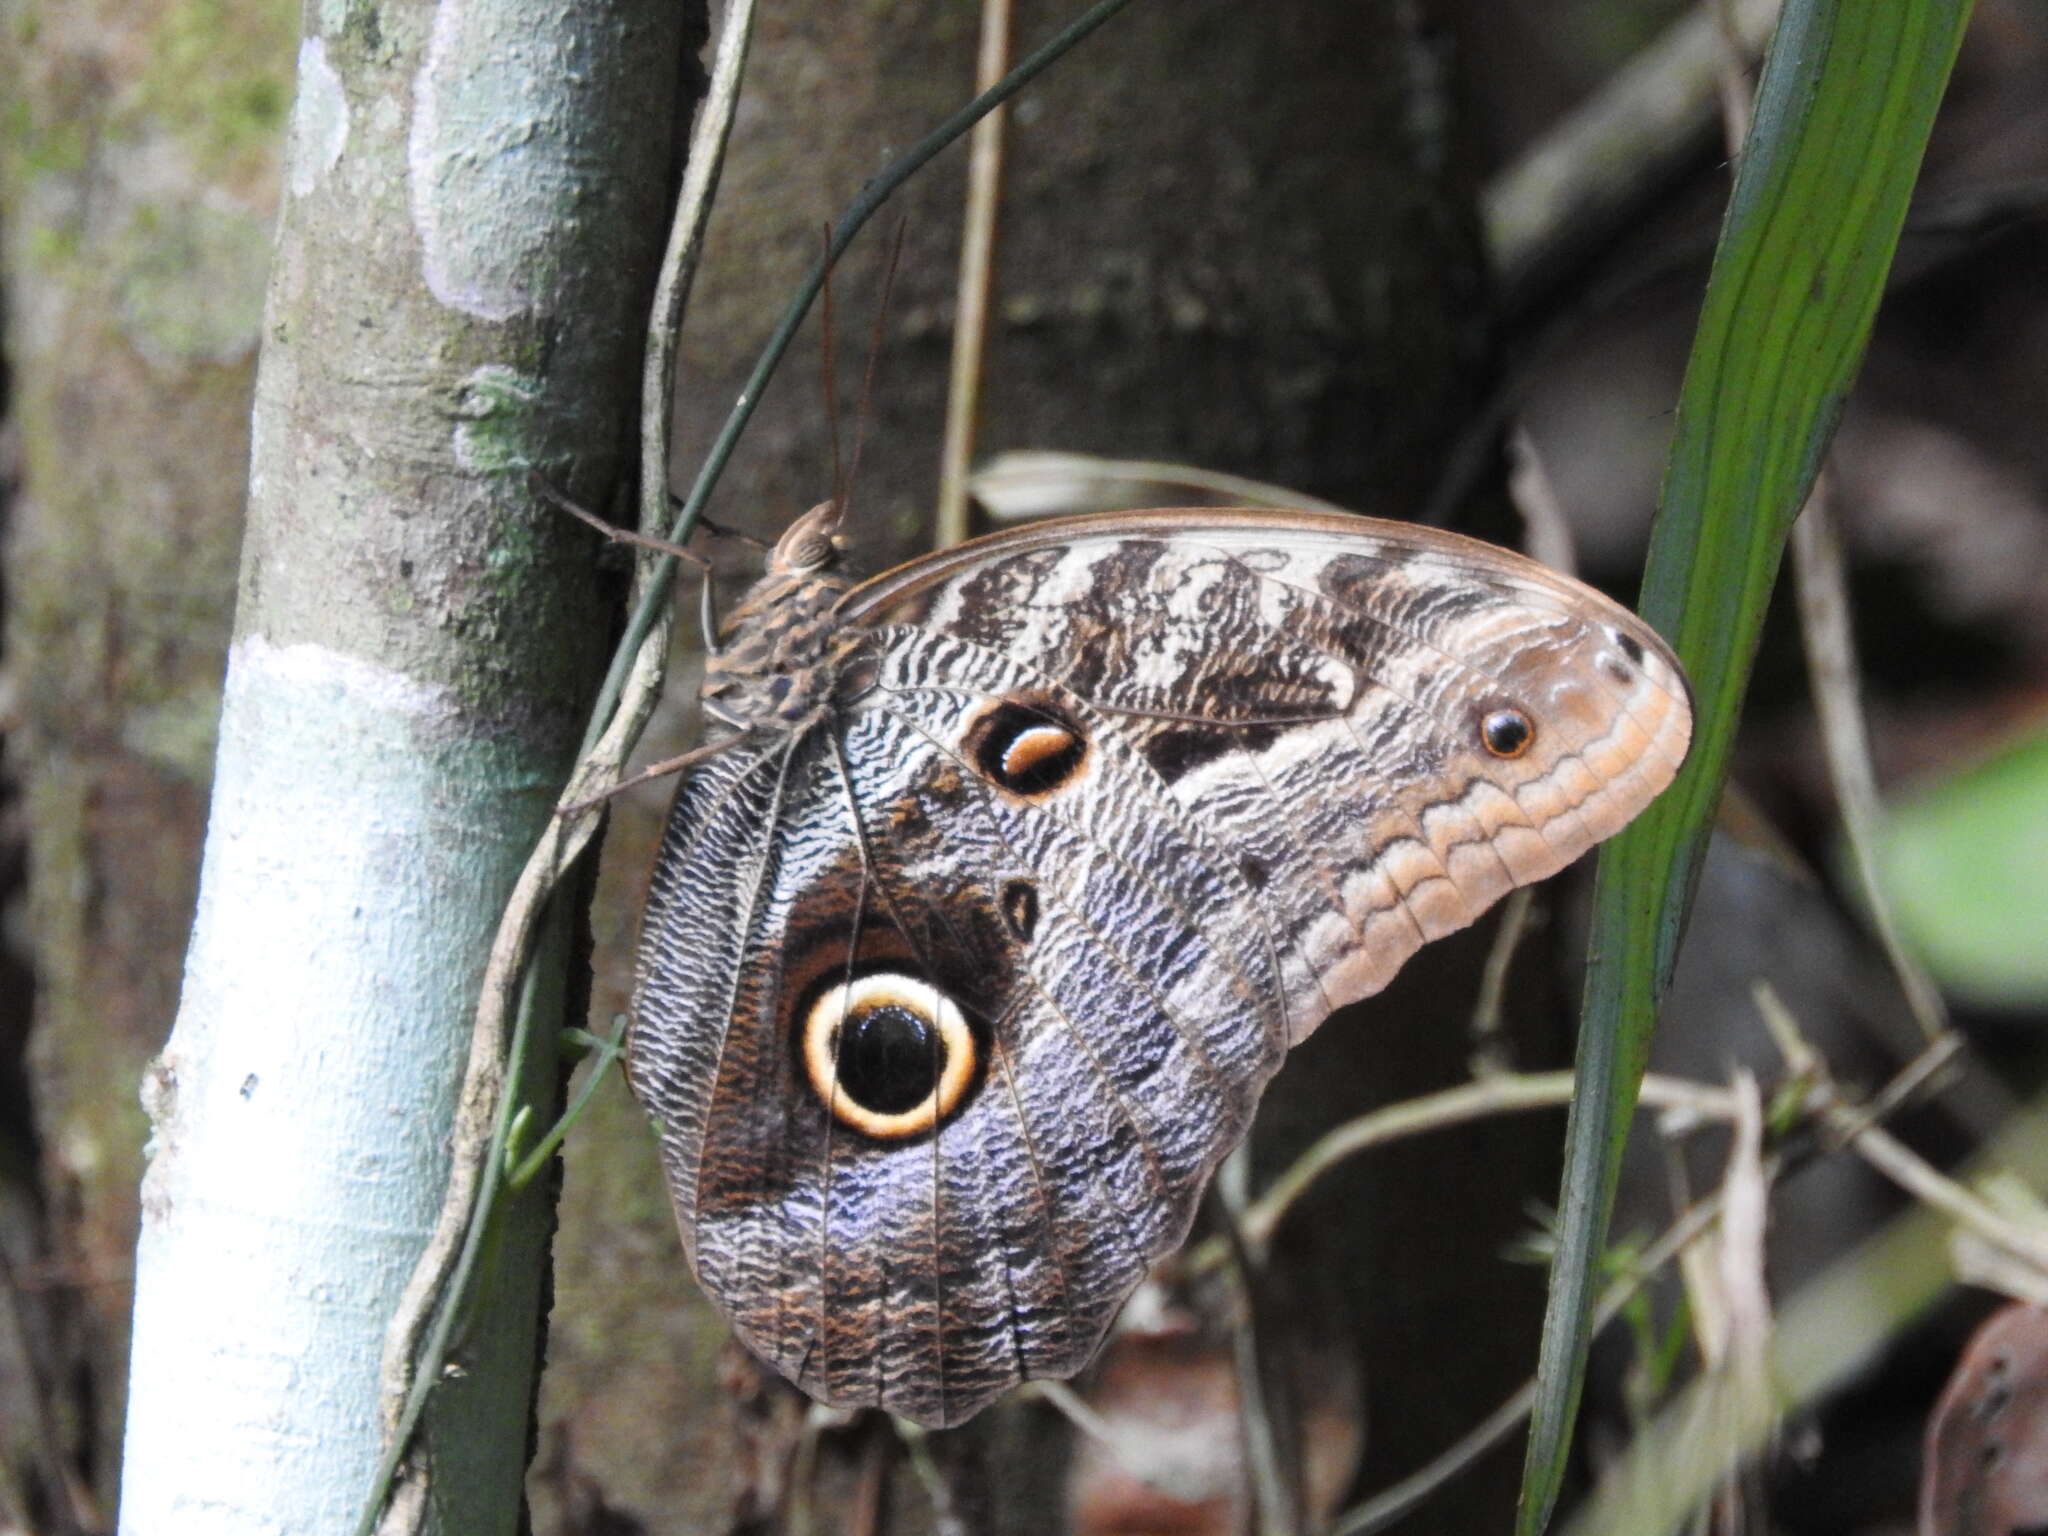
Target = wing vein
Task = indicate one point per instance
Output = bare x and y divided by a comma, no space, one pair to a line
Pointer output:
770,826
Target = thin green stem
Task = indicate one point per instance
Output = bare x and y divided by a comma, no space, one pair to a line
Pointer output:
608,1051
1498,1094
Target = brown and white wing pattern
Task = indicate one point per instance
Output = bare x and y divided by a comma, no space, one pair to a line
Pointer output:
952,998
1389,726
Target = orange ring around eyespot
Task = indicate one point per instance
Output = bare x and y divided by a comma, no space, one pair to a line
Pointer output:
843,1001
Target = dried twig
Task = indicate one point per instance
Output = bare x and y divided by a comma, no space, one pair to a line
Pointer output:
1397,1502
1489,1041
1588,167
1694,1102
977,277
1845,737
1505,1093
1272,1453
1726,1415
1546,529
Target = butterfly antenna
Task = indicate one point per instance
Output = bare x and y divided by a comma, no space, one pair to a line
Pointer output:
867,382
831,374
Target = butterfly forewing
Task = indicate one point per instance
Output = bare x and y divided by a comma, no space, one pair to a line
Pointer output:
954,993
1315,689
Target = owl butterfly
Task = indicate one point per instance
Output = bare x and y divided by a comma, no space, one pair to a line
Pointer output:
1024,865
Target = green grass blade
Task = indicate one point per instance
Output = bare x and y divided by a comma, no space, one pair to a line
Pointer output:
1843,110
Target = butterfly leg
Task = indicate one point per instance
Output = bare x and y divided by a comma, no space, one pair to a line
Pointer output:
660,770
556,499
707,616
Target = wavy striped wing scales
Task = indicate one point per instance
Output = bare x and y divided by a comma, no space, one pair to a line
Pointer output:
1313,689
1107,813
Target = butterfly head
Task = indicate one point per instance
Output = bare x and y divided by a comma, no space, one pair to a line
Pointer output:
810,545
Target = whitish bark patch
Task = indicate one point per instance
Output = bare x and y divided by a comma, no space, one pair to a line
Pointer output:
495,139
319,119
301,1106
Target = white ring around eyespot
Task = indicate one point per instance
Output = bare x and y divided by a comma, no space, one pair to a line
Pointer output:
880,989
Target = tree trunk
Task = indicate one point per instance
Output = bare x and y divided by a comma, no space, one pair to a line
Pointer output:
476,196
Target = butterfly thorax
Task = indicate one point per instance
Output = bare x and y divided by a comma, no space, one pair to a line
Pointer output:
780,645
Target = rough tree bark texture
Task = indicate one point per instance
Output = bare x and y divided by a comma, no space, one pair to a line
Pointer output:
1240,239
138,170
475,194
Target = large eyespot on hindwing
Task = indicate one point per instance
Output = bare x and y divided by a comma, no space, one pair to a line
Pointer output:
889,1054
1028,746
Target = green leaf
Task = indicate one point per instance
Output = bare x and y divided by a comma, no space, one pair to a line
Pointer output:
1964,864
1847,97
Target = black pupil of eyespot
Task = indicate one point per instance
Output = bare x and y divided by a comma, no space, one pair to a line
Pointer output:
889,1059
1506,731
